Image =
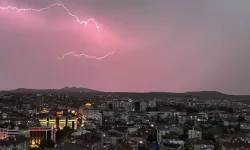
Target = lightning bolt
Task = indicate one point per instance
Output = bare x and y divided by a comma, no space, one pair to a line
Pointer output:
53,5
88,56
85,22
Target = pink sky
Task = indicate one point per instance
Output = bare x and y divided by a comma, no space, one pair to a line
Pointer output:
171,46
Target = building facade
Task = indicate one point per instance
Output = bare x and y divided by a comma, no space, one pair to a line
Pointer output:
5,132
59,122
37,134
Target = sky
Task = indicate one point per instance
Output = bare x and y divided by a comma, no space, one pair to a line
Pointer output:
160,45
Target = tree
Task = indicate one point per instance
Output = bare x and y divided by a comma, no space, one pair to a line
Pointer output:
176,118
190,123
46,144
191,110
152,137
208,136
142,147
62,135
179,107
241,119
230,110
237,127
215,122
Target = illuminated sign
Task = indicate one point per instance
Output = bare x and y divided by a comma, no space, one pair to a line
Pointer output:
88,104
60,113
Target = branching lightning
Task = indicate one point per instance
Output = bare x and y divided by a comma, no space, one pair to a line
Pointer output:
53,5
85,22
88,56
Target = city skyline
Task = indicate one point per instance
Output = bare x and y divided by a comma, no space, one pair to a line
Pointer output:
165,46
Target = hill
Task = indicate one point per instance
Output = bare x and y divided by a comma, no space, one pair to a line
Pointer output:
200,94
65,89
147,96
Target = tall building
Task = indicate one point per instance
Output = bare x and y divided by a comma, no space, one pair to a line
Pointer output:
137,106
195,134
143,105
109,105
37,134
140,105
127,105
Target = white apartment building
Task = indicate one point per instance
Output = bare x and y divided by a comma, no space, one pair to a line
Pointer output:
195,134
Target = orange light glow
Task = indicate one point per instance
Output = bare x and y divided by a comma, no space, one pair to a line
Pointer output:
60,113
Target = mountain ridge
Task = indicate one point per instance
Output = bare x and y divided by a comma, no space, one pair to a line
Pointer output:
138,95
65,89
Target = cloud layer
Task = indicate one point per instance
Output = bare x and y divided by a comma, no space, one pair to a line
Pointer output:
160,46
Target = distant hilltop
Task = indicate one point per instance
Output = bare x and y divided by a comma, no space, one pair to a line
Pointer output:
65,89
215,95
